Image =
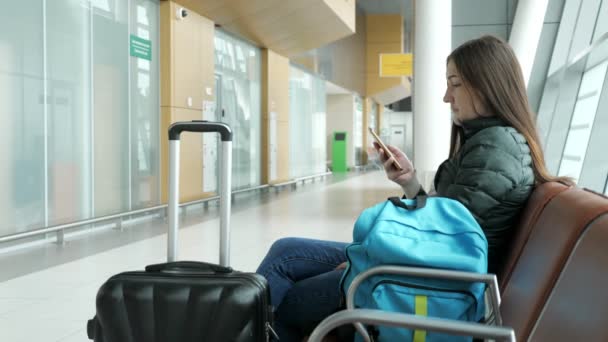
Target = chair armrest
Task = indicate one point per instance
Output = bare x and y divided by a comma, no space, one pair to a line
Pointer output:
395,319
489,279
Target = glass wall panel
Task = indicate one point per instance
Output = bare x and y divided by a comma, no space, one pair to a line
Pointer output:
68,41
572,116
307,118
111,177
600,37
76,141
601,27
145,95
22,117
582,121
319,130
300,110
238,65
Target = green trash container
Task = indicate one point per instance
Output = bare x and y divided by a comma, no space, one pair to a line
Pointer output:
338,152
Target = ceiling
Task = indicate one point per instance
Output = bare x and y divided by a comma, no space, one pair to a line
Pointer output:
333,89
403,7
288,27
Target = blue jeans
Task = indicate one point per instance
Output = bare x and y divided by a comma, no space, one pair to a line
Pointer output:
304,284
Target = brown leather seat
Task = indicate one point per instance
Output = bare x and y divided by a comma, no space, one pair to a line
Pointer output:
552,223
577,308
539,199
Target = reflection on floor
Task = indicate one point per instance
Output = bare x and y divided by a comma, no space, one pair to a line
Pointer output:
48,293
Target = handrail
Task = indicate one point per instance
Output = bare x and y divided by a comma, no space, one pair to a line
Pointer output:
323,174
300,179
61,227
259,187
287,182
398,319
489,279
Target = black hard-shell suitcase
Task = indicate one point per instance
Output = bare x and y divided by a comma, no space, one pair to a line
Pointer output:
186,301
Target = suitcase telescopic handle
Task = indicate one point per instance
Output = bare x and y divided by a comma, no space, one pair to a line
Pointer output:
225,187
201,126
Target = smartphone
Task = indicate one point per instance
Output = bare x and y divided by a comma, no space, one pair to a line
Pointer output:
386,150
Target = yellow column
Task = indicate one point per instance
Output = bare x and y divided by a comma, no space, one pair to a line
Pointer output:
367,108
384,35
379,118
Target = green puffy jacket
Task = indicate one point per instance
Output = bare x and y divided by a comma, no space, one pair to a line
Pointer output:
492,176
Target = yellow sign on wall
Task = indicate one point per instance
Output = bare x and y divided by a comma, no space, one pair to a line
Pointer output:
396,64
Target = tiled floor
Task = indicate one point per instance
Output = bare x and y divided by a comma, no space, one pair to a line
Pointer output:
53,304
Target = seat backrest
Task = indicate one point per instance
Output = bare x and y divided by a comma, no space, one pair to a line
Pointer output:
549,243
577,308
542,195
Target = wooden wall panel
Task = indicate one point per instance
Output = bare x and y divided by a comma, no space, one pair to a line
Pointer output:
187,71
283,152
186,64
191,162
166,54
380,117
275,98
367,108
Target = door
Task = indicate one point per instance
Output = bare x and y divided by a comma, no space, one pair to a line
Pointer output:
210,141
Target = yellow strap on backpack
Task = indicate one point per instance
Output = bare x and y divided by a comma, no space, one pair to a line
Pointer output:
420,309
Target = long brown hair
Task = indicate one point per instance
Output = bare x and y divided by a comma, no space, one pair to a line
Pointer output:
488,67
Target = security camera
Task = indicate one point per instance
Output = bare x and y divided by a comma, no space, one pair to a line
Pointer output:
181,13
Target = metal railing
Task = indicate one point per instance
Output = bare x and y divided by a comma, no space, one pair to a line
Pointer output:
318,175
411,321
60,229
295,181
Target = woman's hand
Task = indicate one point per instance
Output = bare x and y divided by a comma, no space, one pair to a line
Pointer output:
406,177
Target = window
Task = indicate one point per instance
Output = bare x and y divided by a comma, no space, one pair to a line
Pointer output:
582,121
573,115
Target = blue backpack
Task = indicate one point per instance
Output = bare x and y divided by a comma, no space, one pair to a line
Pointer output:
426,232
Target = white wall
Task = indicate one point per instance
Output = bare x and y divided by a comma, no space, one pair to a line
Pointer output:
340,117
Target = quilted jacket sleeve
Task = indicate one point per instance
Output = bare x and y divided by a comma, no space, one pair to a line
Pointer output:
493,177
491,167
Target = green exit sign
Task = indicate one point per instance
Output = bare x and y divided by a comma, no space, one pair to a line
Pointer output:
141,48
